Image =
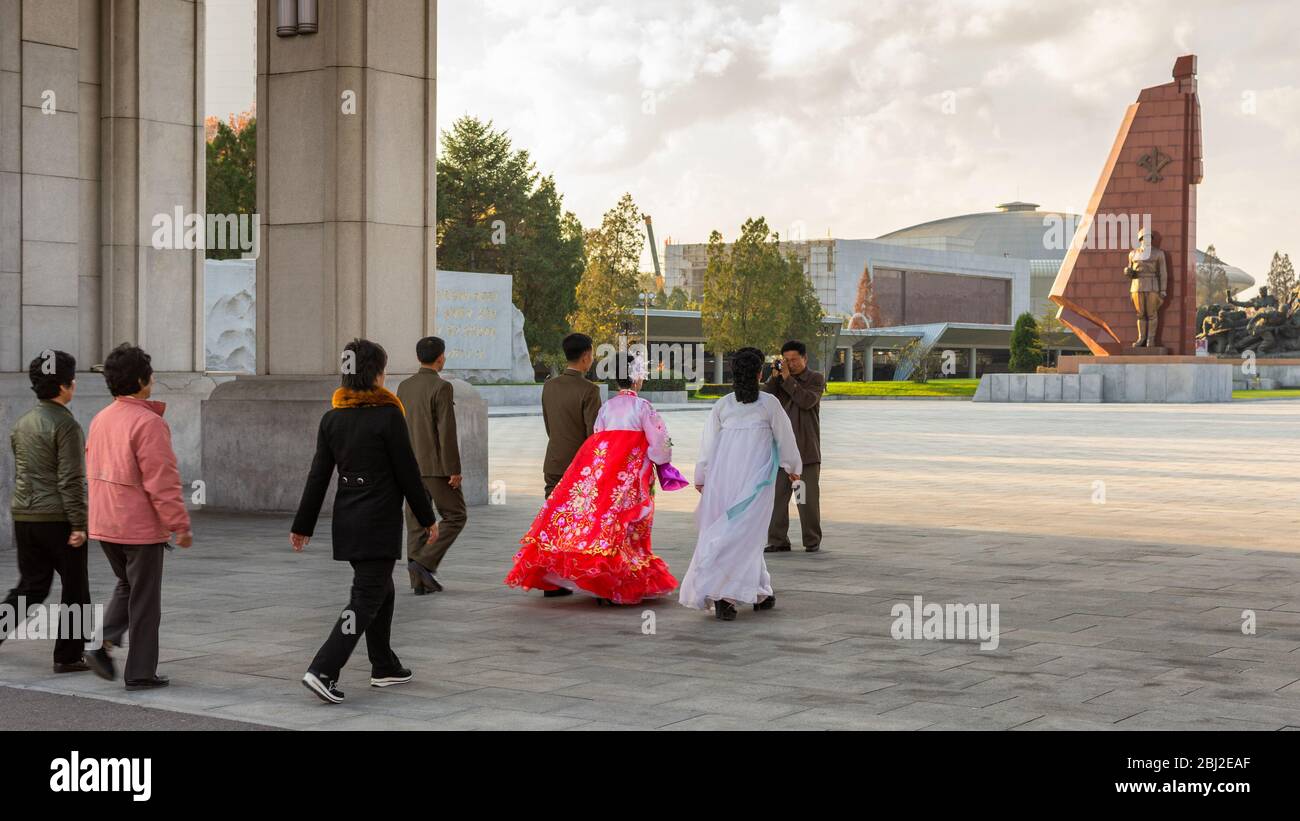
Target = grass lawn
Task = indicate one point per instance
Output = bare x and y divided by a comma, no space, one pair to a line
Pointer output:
935,387
1283,393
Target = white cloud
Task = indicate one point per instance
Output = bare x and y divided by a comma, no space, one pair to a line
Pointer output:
829,111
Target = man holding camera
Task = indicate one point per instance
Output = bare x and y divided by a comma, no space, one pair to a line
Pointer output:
800,390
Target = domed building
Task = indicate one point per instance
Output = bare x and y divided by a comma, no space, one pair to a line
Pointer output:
1017,230
952,285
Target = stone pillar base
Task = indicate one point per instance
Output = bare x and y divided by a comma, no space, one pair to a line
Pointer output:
259,435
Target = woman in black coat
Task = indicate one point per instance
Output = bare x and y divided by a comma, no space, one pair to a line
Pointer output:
364,436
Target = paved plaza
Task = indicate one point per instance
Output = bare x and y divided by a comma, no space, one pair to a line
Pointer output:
1121,543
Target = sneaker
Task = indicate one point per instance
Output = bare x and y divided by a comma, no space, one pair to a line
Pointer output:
324,687
777,548
766,604
724,610
398,675
557,593
101,663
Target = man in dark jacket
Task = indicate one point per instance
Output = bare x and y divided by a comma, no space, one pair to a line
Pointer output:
49,504
570,403
800,390
431,420
364,436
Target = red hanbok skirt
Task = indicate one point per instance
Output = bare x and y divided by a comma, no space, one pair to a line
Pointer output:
593,534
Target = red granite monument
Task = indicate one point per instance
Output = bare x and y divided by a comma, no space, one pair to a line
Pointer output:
1119,305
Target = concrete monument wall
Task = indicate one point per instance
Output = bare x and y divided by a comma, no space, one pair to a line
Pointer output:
1152,171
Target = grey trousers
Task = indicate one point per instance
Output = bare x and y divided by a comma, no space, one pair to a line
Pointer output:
810,512
135,610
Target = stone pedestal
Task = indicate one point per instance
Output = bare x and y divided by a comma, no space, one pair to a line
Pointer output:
1112,380
259,435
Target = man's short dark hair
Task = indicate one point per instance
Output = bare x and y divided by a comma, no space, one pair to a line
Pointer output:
428,350
50,372
575,345
127,370
795,345
361,369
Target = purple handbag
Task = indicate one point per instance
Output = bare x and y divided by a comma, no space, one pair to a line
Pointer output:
670,478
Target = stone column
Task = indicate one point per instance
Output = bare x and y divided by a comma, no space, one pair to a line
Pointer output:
49,263
100,130
346,192
973,367
869,364
153,159
346,184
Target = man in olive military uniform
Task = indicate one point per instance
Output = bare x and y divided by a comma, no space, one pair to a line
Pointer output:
429,401
49,502
570,403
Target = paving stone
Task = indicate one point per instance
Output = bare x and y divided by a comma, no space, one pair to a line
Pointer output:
1121,615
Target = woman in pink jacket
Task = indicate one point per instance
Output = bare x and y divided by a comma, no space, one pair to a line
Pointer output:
135,507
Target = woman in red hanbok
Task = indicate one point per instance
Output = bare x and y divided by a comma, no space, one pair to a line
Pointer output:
593,534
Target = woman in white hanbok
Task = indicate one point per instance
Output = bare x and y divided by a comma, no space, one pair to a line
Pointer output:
747,437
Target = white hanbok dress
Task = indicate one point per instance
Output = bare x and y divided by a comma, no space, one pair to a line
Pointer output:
742,446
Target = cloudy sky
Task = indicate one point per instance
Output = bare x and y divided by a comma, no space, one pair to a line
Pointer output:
857,118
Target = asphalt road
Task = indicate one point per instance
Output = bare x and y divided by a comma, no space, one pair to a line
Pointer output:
34,710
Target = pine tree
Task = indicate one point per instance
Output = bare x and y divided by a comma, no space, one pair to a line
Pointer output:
1212,286
1281,276
231,172
497,214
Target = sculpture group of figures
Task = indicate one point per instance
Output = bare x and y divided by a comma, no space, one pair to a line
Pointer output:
1263,324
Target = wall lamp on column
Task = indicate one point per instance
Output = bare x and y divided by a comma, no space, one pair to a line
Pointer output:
293,17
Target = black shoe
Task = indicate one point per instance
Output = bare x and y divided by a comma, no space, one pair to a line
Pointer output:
101,663
724,610
324,688
147,683
555,594
72,667
766,604
812,549
422,579
777,548
387,678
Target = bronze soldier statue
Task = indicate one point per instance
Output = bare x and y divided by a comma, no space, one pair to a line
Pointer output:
1259,303
1149,271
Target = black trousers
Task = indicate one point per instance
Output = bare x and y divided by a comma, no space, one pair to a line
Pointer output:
135,611
369,612
43,550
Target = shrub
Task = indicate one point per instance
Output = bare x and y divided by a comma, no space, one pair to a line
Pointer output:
1026,345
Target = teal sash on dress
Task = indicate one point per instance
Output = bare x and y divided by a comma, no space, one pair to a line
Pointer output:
743,505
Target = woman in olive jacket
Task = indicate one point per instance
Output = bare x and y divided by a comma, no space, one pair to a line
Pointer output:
364,437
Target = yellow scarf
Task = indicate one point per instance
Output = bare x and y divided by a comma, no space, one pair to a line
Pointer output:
349,398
